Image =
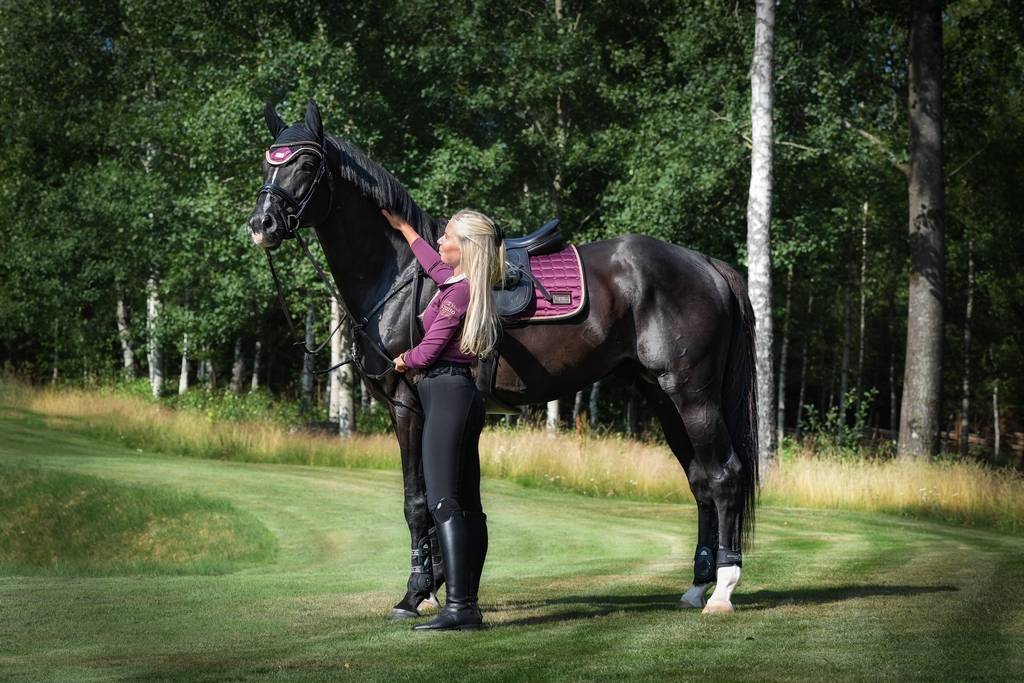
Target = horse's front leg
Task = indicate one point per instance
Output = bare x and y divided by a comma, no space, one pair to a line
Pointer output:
427,573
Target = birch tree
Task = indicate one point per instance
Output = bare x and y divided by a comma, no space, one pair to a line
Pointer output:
156,356
342,401
183,375
124,335
759,213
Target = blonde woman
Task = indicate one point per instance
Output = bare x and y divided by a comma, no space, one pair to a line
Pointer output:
460,325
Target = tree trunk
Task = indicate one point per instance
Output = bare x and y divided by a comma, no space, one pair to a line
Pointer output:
367,399
632,415
803,366
347,415
995,419
919,417
552,421
156,356
334,378
965,396
759,213
844,362
254,383
595,392
183,376
577,407
124,336
307,363
560,128
342,404
780,415
863,309
893,404
56,351
237,367
831,389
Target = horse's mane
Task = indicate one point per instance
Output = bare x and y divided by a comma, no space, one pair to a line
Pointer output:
377,184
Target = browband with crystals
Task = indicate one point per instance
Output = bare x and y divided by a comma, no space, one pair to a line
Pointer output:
282,154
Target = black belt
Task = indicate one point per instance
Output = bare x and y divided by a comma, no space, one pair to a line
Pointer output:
449,368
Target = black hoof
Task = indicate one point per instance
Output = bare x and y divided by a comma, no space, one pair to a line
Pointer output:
399,614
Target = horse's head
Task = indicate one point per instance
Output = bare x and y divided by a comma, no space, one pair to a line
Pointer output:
297,184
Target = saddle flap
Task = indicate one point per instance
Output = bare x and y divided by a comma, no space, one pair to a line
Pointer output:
516,292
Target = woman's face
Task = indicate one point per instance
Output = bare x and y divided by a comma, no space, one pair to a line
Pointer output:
448,246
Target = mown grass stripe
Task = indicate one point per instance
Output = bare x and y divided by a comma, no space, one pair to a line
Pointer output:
577,589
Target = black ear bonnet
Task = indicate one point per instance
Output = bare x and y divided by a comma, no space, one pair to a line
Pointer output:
296,133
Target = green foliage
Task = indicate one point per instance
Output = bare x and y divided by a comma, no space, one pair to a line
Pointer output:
832,431
219,405
133,133
375,420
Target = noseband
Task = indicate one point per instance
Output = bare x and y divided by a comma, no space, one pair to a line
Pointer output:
281,154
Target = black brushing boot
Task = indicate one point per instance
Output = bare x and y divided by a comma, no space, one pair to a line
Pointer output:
421,585
463,539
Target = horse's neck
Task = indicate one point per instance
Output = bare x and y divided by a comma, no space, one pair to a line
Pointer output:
365,255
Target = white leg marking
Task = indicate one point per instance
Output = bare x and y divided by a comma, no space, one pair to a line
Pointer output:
694,598
721,600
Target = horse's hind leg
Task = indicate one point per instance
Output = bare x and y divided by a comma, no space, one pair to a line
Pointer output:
713,473
707,516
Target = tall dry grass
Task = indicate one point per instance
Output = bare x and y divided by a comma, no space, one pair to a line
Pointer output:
595,465
962,492
965,492
141,424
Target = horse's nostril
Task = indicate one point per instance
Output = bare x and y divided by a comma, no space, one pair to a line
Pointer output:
268,222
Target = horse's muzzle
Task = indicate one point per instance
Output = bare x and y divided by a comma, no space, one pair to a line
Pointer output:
266,231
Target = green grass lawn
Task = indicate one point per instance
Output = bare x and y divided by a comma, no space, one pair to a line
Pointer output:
575,588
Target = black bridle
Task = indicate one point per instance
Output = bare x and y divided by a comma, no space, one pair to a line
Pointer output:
294,220
359,323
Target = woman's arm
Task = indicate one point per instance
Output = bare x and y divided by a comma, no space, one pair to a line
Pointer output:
436,269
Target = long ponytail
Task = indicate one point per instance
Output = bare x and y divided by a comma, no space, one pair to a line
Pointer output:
483,262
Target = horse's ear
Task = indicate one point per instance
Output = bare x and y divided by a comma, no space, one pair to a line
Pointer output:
314,122
274,122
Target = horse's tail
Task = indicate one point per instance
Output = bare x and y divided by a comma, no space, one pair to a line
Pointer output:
739,399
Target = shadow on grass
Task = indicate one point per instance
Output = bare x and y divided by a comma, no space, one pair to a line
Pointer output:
591,606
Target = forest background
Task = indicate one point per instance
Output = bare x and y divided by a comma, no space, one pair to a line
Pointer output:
132,135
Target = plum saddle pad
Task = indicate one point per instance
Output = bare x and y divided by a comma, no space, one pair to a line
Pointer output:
562,274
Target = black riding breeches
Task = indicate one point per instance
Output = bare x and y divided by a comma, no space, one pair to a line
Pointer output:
453,417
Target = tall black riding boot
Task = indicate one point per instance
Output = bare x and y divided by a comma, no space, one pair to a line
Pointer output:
463,560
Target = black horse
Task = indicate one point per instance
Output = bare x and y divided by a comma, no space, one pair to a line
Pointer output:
674,319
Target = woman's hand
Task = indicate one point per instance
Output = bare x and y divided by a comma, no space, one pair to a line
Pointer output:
396,222
400,365
401,225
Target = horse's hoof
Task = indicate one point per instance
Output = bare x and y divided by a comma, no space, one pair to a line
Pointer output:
686,603
718,607
399,614
429,604
693,598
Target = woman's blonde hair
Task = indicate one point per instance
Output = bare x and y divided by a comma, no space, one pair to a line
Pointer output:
483,262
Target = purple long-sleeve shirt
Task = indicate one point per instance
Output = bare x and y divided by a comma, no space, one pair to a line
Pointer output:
442,319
